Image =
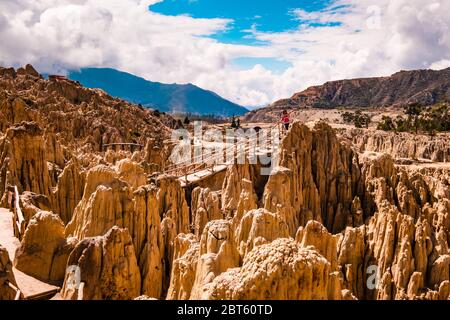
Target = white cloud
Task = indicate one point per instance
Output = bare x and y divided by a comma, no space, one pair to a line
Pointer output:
439,65
375,37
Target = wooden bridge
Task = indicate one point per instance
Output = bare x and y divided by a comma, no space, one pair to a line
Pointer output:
199,167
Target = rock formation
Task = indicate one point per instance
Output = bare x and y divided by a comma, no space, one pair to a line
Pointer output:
236,180
315,179
31,203
148,241
342,216
6,277
400,145
424,86
258,227
316,235
217,254
186,256
44,250
205,207
106,202
69,190
23,160
278,270
104,268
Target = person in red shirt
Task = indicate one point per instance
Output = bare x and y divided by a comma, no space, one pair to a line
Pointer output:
285,120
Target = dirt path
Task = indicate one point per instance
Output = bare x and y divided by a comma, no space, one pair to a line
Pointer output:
29,286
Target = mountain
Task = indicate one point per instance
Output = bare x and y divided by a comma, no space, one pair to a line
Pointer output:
424,86
164,97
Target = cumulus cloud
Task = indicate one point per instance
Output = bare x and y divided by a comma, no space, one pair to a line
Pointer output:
350,38
373,38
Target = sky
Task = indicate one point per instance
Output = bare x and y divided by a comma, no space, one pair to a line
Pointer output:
250,52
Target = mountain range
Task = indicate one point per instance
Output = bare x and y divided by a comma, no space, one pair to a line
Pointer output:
423,86
186,98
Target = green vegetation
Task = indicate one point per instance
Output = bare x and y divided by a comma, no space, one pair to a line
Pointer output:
189,118
419,118
358,119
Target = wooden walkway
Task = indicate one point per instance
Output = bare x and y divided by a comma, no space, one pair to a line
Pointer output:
31,288
200,175
194,170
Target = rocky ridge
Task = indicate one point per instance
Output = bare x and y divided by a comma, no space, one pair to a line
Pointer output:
107,225
423,86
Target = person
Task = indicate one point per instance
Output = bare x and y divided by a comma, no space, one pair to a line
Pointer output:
233,123
285,119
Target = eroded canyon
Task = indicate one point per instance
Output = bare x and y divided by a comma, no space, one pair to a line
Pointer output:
345,214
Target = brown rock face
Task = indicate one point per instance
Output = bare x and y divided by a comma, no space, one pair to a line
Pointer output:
44,250
424,86
69,190
131,173
148,240
174,212
107,201
87,117
156,155
259,227
351,249
31,203
217,254
315,179
6,276
400,241
278,270
186,255
23,160
205,207
153,214
317,236
400,144
236,181
13,111
107,269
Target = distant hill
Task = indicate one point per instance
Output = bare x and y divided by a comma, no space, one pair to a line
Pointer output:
425,86
164,97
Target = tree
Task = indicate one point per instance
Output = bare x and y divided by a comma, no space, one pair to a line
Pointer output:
186,121
386,124
348,117
414,110
359,119
431,119
401,124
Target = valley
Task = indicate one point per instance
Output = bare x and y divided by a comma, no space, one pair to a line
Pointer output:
94,205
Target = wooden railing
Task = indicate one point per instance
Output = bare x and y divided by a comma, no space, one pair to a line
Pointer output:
19,223
192,166
17,290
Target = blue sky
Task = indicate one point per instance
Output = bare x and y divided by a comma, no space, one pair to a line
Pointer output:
250,52
264,16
